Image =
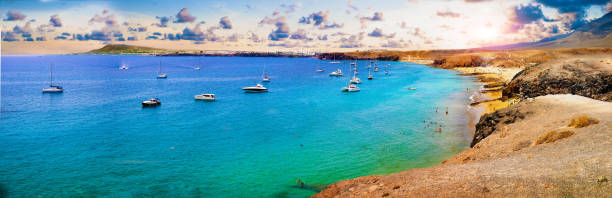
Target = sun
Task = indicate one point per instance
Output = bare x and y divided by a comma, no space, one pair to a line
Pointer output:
487,33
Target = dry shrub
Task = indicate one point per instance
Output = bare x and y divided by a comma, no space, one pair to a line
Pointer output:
521,145
553,136
582,121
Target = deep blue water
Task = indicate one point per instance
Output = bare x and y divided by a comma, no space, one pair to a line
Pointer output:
95,139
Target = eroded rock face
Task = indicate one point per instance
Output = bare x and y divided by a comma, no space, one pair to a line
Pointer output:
590,77
488,123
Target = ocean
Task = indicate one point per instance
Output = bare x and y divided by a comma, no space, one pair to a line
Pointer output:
96,140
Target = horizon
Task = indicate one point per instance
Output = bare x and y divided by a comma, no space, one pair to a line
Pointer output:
55,27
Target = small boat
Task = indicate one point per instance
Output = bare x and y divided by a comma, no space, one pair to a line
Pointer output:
319,67
123,67
350,88
320,70
353,64
265,78
161,75
386,72
334,62
153,102
197,68
205,97
411,88
370,76
355,79
52,88
375,69
336,73
256,89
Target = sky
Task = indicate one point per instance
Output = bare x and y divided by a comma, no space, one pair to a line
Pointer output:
313,25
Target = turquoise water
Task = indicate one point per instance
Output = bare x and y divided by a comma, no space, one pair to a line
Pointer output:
95,140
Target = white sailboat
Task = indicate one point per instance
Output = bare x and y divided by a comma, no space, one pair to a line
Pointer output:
161,75
52,88
198,66
334,60
370,76
264,77
319,67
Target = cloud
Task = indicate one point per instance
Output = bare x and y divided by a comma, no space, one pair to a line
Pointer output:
106,18
300,34
448,14
253,37
13,15
234,37
396,44
378,16
137,29
163,21
282,28
9,36
322,37
573,11
21,30
317,18
225,23
524,14
291,8
350,5
331,26
55,21
377,32
353,41
183,17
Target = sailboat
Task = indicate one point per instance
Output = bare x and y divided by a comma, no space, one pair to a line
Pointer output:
198,66
265,78
355,79
161,75
52,88
336,73
319,67
387,69
334,60
370,76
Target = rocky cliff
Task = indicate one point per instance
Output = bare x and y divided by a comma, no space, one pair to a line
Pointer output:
586,76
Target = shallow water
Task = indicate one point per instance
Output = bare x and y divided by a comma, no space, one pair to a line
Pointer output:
95,139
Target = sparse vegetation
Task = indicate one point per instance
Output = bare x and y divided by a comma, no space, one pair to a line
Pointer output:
582,121
126,49
553,136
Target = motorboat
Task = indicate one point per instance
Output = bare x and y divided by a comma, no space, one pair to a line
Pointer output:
375,69
336,73
255,89
197,68
52,88
370,77
153,102
123,67
320,70
355,80
205,97
350,88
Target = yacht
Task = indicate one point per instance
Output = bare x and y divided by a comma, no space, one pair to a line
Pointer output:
161,75
256,89
205,97
153,102
52,88
350,88
336,73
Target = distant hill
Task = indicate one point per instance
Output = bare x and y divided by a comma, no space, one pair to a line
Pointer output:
126,49
597,33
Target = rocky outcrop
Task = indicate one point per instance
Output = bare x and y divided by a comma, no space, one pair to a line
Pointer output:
586,76
489,122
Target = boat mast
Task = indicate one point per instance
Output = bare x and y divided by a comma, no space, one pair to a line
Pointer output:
159,67
51,75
